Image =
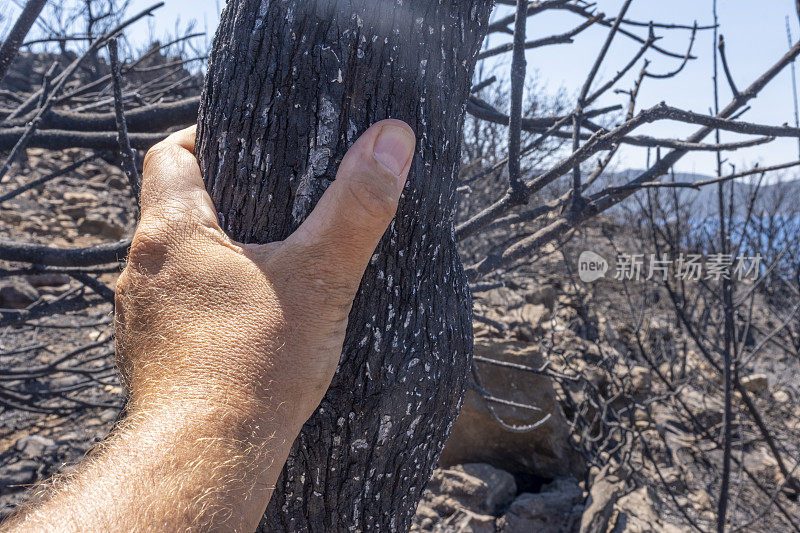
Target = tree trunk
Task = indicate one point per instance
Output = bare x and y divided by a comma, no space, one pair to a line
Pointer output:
291,84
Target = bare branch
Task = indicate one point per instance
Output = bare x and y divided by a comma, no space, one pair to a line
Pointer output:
518,68
126,153
40,254
149,118
683,63
61,139
725,67
11,44
562,38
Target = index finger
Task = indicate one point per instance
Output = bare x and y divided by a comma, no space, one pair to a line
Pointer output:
172,182
184,138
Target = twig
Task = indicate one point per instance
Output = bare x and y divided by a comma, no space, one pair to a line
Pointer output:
518,68
30,129
149,118
725,67
96,285
685,61
702,183
126,153
482,85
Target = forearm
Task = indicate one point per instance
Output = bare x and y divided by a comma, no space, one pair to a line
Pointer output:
192,465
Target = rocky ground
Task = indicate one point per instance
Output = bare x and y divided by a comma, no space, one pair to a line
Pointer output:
569,429
64,361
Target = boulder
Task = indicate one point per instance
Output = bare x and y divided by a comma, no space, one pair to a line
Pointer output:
557,508
481,488
478,437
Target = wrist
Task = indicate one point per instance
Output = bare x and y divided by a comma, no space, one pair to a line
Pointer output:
219,406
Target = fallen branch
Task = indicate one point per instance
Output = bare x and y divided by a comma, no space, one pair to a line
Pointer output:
41,254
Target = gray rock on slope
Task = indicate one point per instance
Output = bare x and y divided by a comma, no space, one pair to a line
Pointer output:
477,437
17,294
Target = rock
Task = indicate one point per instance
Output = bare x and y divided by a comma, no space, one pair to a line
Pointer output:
17,294
96,225
755,383
75,212
640,381
658,330
526,320
468,522
83,197
117,182
501,297
34,446
12,218
47,279
462,520
557,508
781,396
762,462
635,514
110,415
605,492
545,295
16,475
479,487
426,516
706,408
478,437
529,314
480,523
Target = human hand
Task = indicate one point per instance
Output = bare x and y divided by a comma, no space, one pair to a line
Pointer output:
226,349
258,328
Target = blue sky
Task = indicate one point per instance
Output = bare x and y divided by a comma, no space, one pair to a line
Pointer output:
755,38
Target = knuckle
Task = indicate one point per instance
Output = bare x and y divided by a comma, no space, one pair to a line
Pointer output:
121,288
156,155
150,246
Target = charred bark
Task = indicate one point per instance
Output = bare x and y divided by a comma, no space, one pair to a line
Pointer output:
291,84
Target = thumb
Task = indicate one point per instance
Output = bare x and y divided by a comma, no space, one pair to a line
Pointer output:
348,221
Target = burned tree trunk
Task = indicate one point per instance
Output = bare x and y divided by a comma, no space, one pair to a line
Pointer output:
291,84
